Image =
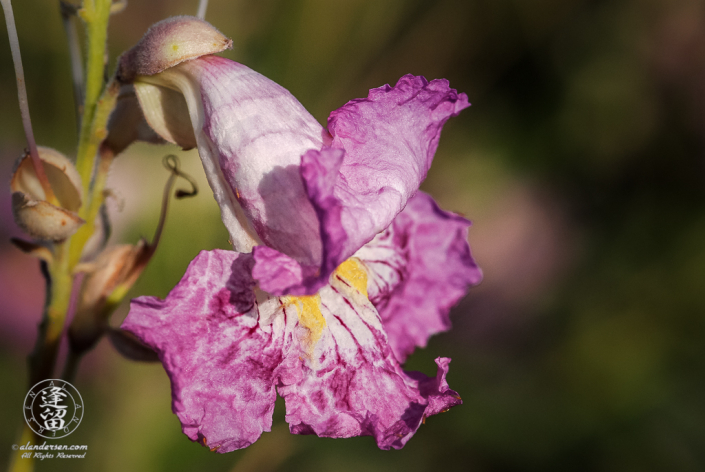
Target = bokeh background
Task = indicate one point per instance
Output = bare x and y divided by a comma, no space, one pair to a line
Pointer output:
581,164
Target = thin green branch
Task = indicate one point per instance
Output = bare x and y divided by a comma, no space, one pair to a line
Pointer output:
94,195
59,284
95,14
97,106
68,12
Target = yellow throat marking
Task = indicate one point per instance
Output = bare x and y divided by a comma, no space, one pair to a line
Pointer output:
310,317
353,272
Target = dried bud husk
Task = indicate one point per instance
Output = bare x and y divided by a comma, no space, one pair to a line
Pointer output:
108,279
169,43
127,123
167,113
37,217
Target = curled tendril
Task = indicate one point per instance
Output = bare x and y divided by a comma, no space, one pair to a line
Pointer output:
172,163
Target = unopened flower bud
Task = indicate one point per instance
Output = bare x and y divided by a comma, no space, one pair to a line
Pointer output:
37,217
168,43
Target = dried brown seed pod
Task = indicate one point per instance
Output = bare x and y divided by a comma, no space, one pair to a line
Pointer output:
37,217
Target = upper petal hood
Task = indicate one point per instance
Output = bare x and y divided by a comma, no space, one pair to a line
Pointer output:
389,139
381,150
251,134
311,197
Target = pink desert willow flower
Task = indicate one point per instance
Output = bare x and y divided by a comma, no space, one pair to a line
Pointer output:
341,266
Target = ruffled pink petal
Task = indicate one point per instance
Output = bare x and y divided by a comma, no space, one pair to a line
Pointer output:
417,270
220,362
440,396
352,385
224,351
381,150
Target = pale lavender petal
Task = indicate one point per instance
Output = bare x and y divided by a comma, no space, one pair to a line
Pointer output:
417,270
351,384
389,140
251,133
220,362
261,131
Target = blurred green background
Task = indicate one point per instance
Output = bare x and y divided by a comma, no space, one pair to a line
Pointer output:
581,164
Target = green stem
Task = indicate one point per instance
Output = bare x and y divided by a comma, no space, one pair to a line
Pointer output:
59,274
95,14
43,358
94,195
